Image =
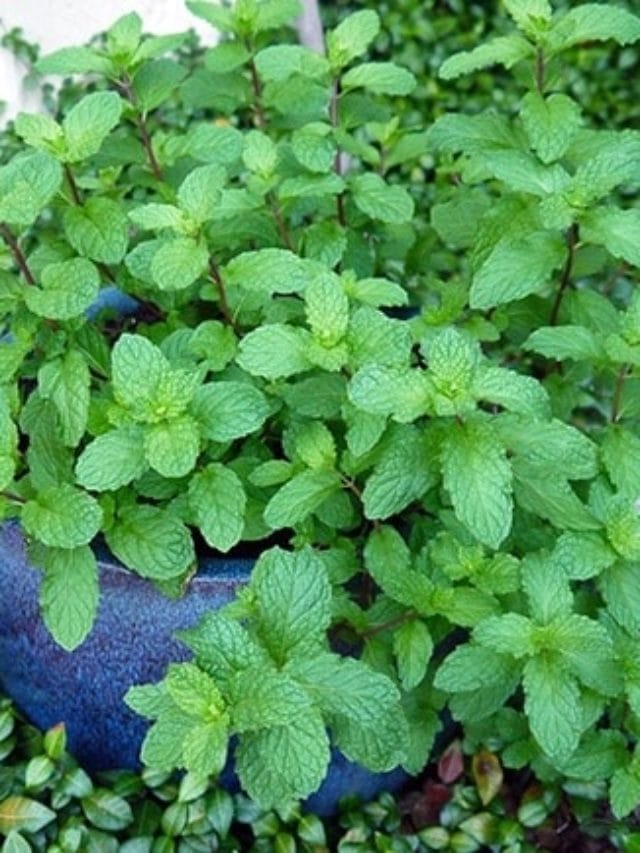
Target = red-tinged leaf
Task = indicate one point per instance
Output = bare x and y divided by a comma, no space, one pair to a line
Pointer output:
423,808
451,764
488,776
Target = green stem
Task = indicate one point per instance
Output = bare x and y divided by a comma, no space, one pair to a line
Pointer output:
11,496
337,163
73,187
391,623
17,253
572,237
616,405
222,293
140,120
540,71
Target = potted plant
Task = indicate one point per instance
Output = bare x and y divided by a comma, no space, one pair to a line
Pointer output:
408,480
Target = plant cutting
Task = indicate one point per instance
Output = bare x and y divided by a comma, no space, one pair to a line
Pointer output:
454,479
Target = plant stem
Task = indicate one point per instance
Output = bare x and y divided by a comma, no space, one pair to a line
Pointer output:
73,187
11,496
572,241
224,304
540,71
141,123
16,251
616,405
391,623
337,163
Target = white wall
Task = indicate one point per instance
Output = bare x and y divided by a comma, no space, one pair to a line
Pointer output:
59,23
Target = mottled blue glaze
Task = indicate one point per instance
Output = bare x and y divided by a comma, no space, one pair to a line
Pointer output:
131,643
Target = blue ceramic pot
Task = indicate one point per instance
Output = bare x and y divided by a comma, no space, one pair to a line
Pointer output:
131,643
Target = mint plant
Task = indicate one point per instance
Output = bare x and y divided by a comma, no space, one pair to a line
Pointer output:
457,488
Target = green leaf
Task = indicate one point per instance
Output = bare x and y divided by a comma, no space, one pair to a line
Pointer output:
204,751
65,382
315,151
268,271
327,309
379,747
509,634
74,60
387,559
547,589
284,763
260,153
218,500
511,390
477,476
385,202
226,56
561,342
352,37
594,22
620,588
172,447
97,230
68,289
503,50
199,193
123,37
106,810
275,351
220,17
301,496
523,11
264,697
396,391
155,217
553,707
229,410
178,263
582,555
156,81
617,230
223,647
550,447
624,792
550,123
538,492
69,594
112,460
152,542
87,124
477,134
621,457
62,517
27,185
412,647
402,475
293,602
40,131
194,691
381,78
516,268
471,667
163,745
23,814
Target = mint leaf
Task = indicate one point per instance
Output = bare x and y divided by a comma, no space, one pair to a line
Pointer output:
97,230
172,447
229,410
199,193
503,50
65,382
385,202
380,747
155,82
268,271
561,342
263,697
74,60
218,499
412,647
547,589
471,667
283,763
617,230
67,289
388,560
620,443
477,476
222,647
619,585
595,22
582,555
553,707
87,124
204,750
178,262
62,517
381,78
327,309
301,496
352,37
385,390
511,390
275,351
152,542
403,474
550,123
112,460
27,184
515,269
625,792
293,599
69,594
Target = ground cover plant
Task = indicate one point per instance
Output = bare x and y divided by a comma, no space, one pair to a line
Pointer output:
453,493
